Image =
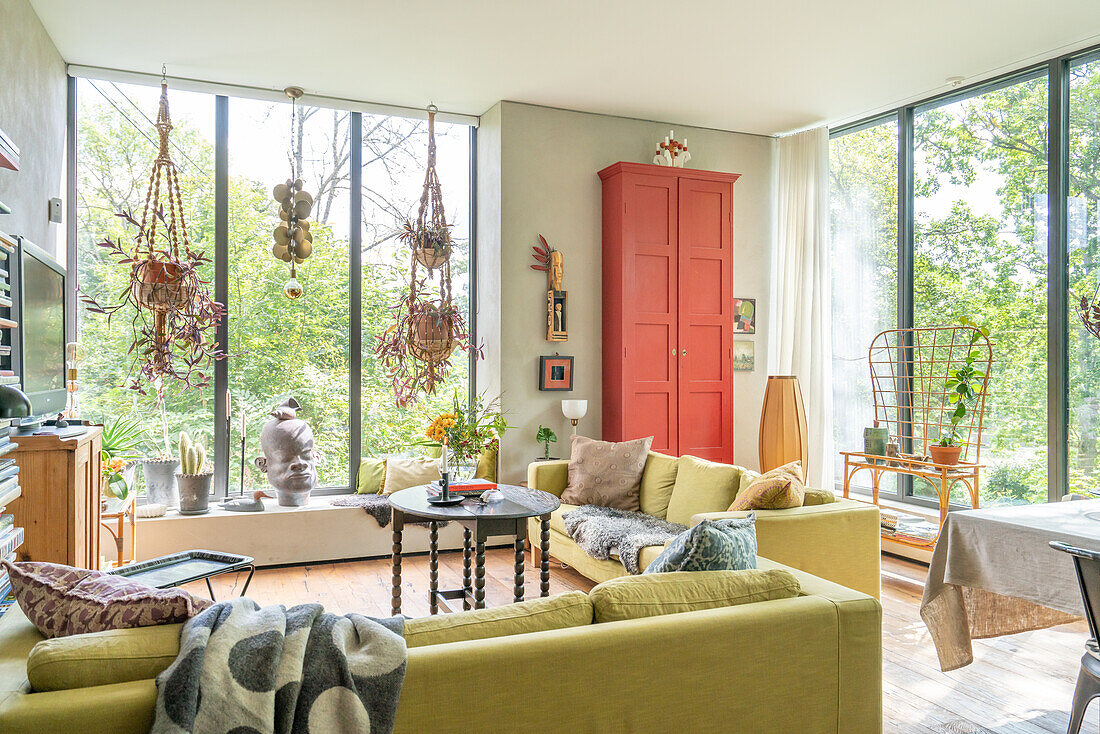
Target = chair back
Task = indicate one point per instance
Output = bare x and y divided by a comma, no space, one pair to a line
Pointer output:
1087,564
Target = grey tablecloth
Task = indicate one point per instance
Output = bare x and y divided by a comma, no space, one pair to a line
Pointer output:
992,573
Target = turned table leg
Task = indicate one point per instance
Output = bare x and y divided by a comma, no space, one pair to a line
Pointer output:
544,557
517,590
479,574
398,526
433,567
467,572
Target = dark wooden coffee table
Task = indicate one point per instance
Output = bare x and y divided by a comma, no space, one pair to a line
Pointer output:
479,522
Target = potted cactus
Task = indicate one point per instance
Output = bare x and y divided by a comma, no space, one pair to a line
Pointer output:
193,479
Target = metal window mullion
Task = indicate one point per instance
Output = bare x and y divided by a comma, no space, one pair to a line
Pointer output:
72,266
1057,280
905,301
221,293
472,276
355,303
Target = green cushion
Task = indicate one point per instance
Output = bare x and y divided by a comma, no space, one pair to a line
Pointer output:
102,658
487,465
658,479
572,609
649,595
702,486
818,497
372,476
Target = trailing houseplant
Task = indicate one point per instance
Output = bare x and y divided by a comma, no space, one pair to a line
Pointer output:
545,436
962,387
193,478
430,243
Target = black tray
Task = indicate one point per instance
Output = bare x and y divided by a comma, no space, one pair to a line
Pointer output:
183,568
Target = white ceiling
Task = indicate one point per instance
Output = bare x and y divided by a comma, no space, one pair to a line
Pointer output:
755,66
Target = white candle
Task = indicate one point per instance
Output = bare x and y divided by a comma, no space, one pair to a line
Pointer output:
443,463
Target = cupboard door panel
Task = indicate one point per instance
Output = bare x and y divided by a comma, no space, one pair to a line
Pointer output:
705,319
649,310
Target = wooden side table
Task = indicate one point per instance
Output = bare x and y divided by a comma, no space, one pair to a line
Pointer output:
480,522
119,511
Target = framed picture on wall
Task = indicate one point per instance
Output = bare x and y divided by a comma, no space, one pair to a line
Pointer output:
744,315
556,373
744,356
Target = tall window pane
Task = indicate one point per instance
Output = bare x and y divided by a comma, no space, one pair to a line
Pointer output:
863,218
395,151
1084,275
980,248
116,146
282,348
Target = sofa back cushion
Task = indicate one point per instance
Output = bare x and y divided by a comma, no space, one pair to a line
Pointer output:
702,486
606,473
572,609
649,595
102,658
779,489
712,545
658,481
62,600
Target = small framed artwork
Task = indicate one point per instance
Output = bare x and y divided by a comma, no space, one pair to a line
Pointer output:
744,315
556,373
744,356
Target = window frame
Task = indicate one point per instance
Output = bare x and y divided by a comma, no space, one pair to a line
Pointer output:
223,451
1057,71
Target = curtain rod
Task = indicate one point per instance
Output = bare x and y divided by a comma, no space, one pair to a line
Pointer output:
268,95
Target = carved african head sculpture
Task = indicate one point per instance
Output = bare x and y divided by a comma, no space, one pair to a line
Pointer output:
289,459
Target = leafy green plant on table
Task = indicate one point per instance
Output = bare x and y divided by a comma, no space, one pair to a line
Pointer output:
963,386
545,436
124,440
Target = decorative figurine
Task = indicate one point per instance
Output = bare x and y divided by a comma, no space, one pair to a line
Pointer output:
289,459
552,262
671,152
240,504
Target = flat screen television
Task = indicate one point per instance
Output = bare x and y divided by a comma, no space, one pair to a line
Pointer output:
40,339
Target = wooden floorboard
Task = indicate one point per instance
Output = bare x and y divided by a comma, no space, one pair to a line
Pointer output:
1021,684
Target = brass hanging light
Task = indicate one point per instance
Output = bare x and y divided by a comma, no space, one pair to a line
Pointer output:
293,240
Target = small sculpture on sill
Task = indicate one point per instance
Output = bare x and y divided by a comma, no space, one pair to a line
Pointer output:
240,504
552,262
289,459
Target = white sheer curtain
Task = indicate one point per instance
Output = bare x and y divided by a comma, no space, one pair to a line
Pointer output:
801,338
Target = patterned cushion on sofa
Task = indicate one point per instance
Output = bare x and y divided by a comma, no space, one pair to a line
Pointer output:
606,474
712,545
62,600
780,489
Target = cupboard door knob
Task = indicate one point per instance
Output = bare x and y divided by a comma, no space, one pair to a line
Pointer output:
685,353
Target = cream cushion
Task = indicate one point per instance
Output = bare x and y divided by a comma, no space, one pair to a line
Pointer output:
403,472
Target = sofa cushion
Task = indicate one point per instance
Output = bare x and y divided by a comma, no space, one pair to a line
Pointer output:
403,472
712,545
702,486
779,489
62,600
649,595
371,477
606,473
816,497
572,609
102,658
658,480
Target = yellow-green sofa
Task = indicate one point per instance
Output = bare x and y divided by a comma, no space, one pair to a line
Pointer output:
810,663
834,539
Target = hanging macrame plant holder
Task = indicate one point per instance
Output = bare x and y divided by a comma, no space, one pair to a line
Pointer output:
427,328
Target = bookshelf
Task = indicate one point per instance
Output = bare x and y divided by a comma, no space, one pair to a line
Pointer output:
11,534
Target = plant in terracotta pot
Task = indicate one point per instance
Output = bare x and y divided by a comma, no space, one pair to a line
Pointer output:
962,386
431,244
193,478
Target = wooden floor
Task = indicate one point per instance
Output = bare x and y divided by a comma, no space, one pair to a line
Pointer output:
1021,684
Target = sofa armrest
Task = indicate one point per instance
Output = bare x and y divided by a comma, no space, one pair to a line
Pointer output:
838,541
120,708
548,476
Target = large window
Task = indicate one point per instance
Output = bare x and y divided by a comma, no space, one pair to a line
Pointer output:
278,348
982,234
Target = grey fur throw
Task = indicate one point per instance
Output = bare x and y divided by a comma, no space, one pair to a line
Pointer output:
377,506
242,668
601,530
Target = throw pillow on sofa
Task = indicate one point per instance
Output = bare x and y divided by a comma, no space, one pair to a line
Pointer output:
404,472
712,545
779,489
605,473
658,481
62,600
702,486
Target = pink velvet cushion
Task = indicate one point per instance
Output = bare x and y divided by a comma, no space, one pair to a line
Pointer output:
62,600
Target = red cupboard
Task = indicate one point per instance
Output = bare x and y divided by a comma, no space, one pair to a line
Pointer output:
668,308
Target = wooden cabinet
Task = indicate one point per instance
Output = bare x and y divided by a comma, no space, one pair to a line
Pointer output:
668,308
59,508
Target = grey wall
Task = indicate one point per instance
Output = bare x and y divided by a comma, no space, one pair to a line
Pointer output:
543,162
32,114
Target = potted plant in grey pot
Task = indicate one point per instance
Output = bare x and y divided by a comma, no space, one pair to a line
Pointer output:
193,479
160,470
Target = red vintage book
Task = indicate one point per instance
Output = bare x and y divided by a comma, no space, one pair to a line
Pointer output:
472,486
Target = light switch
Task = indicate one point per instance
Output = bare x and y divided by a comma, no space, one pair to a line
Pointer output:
55,210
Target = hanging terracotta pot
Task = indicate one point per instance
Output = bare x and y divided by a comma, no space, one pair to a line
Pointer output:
159,286
431,257
431,337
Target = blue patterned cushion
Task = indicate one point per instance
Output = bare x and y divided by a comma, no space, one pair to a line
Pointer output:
712,545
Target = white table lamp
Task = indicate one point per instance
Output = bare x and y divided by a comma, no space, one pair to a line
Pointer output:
574,410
